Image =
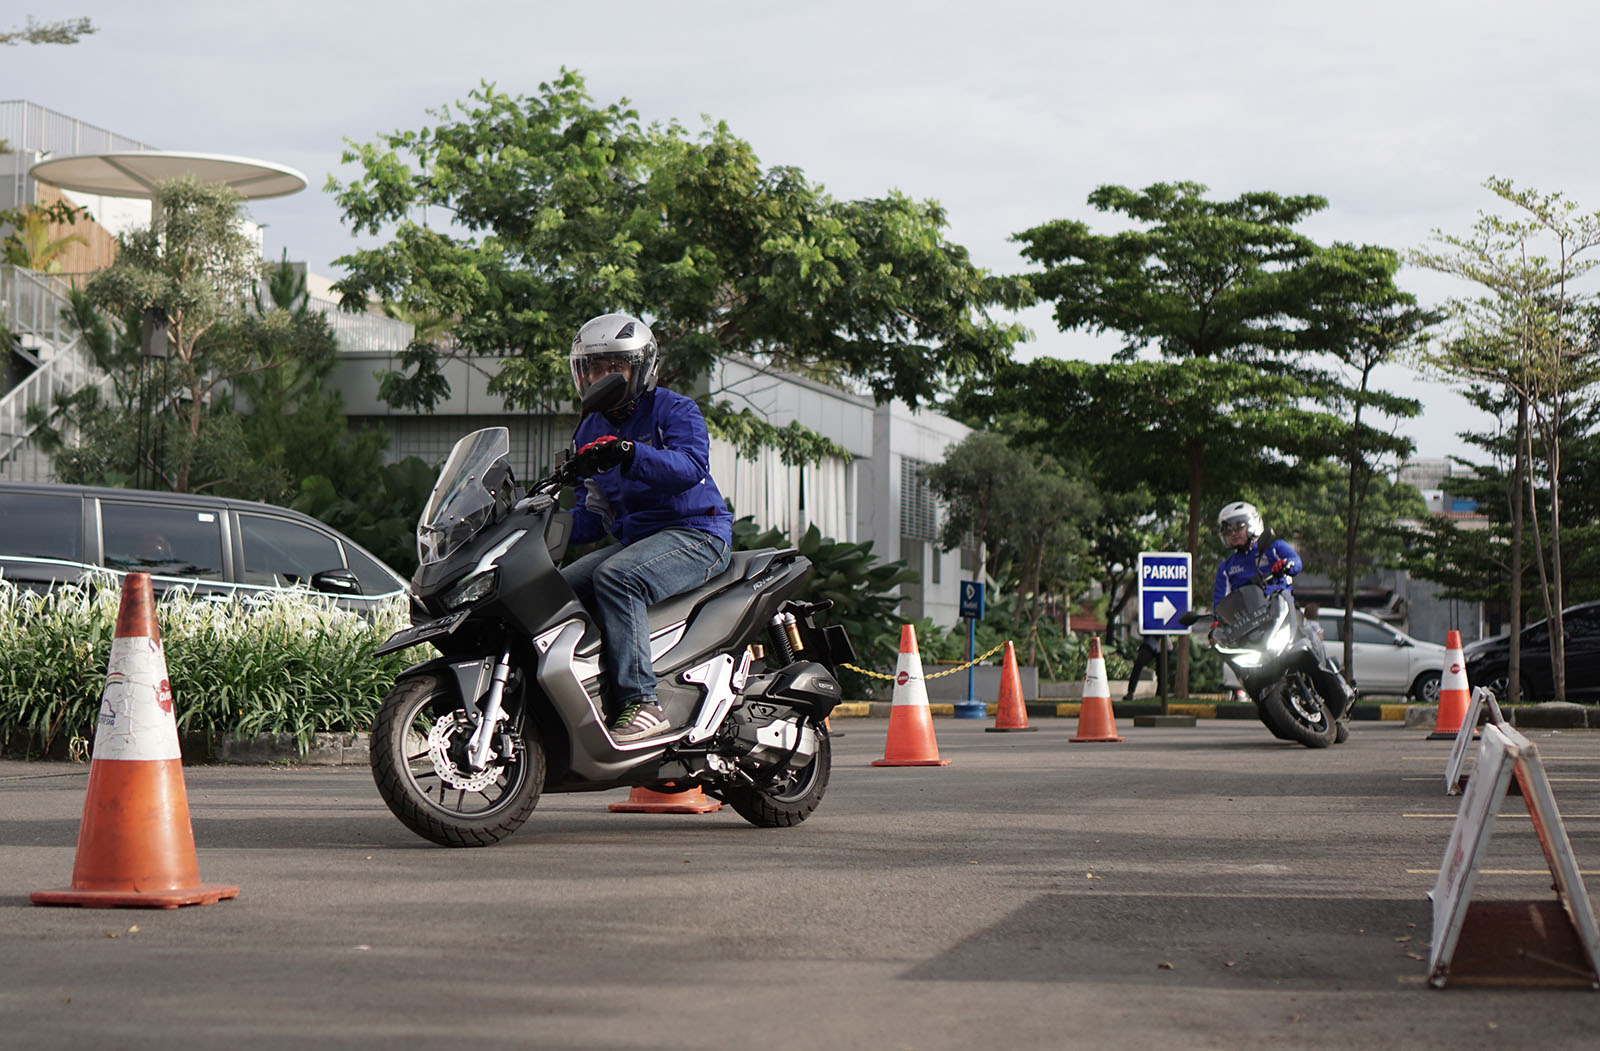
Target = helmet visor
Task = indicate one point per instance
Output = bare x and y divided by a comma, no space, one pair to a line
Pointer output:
587,368
1235,529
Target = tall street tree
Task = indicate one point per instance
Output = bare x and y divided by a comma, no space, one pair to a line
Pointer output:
518,218
1527,331
1232,286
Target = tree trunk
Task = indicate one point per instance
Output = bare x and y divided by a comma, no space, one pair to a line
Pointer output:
1196,493
1558,631
1514,659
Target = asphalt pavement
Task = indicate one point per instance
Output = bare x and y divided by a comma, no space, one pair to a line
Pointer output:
1195,887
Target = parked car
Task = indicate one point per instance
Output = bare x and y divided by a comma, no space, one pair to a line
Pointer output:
1386,660
1489,660
215,547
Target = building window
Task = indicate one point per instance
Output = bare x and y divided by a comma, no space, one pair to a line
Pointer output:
919,513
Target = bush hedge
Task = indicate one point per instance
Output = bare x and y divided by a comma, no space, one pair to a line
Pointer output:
281,663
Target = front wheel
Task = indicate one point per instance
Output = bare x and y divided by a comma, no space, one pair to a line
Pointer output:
1293,704
419,743
788,801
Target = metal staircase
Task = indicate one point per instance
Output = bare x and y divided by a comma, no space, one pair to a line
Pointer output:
31,306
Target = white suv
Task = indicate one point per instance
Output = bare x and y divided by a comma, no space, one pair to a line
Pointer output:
1386,660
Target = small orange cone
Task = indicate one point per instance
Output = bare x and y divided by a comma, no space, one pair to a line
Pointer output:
910,741
1096,721
1010,714
684,801
135,844
1453,692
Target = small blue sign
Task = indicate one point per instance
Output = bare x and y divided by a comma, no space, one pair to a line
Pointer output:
1163,592
972,599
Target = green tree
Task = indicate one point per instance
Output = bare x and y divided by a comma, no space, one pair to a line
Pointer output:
1172,428
1379,325
558,210
1229,285
30,244
1527,332
1027,508
64,31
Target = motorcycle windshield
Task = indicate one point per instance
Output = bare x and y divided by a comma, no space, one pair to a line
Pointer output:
460,505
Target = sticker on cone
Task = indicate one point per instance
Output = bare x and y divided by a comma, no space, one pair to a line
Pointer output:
1010,714
1096,721
136,844
1454,692
910,741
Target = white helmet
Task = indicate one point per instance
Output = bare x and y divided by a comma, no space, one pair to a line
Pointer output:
610,341
1239,513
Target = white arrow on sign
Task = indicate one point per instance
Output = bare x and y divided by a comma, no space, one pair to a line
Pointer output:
1163,608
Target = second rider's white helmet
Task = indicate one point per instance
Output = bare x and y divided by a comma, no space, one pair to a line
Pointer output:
1236,514
612,340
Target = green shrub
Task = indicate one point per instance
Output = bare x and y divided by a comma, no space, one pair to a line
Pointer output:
280,663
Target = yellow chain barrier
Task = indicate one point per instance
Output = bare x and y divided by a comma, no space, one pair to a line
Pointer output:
935,675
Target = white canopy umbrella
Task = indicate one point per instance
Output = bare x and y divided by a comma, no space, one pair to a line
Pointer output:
136,173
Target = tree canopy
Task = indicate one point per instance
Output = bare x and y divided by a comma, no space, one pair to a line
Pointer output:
518,218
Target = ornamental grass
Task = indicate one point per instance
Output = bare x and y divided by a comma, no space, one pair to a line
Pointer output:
288,662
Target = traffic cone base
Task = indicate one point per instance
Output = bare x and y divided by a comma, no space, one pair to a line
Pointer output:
911,741
135,843
1010,714
685,801
1096,720
1454,694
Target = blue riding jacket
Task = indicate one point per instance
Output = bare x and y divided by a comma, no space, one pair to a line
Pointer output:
667,486
1238,568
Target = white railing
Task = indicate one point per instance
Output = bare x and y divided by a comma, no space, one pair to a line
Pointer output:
355,331
31,307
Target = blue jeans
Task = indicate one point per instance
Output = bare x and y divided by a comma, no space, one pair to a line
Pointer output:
618,583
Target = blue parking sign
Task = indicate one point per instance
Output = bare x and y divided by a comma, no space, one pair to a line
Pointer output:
1163,592
972,599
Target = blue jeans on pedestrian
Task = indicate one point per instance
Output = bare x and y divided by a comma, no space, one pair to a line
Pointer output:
617,584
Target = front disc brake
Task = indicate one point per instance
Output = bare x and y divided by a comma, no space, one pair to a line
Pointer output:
439,740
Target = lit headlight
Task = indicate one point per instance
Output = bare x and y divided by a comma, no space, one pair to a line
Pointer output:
471,589
1243,658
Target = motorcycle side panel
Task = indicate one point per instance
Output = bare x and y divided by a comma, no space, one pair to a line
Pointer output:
736,616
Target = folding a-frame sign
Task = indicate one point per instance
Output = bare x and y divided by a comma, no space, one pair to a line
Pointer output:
1538,943
1469,723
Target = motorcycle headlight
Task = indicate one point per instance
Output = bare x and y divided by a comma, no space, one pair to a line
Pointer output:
1243,658
472,589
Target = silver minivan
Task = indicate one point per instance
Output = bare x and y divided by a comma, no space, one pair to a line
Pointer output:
210,545
1386,660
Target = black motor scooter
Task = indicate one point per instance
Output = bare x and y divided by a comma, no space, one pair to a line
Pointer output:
464,744
1265,640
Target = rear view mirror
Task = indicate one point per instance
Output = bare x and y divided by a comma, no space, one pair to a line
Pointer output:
336,582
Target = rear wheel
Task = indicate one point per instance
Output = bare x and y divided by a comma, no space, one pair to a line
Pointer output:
788,801
1426,689
1293,704
418,757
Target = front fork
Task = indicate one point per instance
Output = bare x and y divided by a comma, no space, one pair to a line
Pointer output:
483,737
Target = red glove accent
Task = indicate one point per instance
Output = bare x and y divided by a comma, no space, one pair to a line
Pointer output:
1280,565
597,443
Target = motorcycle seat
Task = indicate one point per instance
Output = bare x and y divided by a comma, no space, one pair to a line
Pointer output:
742,565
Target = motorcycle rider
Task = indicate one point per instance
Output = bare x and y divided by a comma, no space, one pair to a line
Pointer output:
647,482
1239,526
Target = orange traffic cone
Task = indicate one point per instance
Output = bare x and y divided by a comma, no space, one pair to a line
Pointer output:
1453,692
1096,721
1010,714
683,801
910,741
135,844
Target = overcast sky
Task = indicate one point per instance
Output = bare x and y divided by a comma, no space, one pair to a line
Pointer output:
1008,112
